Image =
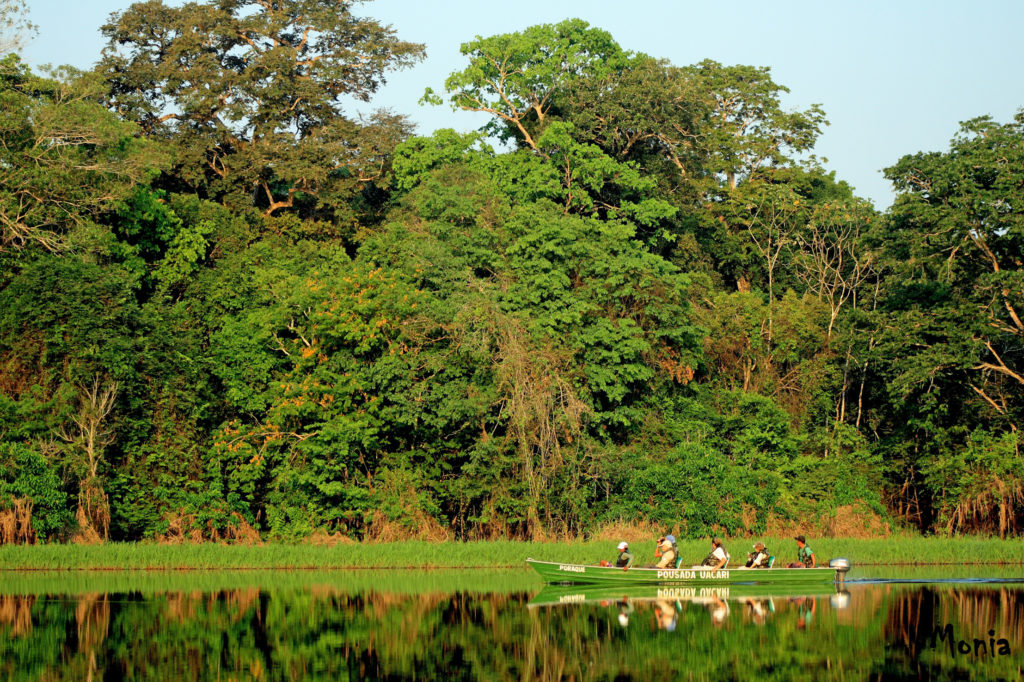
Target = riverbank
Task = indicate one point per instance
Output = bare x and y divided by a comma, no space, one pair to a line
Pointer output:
486,554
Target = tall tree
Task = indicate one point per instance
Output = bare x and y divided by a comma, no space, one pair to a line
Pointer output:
961,217
749,130
63,159
15,28
515,77
251,92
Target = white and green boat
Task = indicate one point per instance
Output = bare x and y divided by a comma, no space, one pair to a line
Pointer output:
554,573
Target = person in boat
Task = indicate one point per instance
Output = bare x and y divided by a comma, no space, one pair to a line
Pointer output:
667,552
625,559
718,558
759,557
804,554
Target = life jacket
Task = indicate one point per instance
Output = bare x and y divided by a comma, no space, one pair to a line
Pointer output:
759,559
623,560
710,559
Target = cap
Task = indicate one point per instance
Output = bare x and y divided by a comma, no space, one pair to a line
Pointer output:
623,545
670,538
800,538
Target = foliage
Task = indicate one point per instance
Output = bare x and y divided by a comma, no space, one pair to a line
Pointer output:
26,474
64,158
249,92
650,307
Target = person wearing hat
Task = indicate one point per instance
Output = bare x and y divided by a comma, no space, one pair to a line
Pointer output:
804,554
759,557
625,559
667,551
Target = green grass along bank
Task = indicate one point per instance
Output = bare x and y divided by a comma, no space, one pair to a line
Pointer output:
890,551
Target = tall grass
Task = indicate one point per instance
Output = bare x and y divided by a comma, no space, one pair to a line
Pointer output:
489,554
445,581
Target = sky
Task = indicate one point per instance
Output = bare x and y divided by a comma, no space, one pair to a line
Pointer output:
894,77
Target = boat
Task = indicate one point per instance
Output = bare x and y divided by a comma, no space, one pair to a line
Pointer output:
555,573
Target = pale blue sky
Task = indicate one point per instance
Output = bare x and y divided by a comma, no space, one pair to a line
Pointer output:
894,76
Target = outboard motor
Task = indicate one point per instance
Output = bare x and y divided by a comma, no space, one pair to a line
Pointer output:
841,566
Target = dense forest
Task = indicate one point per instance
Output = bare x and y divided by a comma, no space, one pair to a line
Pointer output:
230,306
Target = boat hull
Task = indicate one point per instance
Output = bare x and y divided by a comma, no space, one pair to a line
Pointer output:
556,573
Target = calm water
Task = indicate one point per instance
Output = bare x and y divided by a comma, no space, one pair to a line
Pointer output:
496,626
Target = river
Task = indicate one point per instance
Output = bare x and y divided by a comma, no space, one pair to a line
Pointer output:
503,625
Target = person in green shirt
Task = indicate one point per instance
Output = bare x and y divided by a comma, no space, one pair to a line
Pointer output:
804,554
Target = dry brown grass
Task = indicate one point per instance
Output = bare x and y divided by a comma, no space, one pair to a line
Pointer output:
848,521
87,533
423,527
181,528
322,537
632,532
184,528
240,532
16,523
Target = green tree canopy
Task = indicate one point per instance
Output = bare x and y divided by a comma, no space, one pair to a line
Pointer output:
64,159
251,93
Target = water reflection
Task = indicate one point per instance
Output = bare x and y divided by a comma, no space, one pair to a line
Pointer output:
334,631
755,604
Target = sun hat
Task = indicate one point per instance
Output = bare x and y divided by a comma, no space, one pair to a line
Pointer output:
623,545
670,538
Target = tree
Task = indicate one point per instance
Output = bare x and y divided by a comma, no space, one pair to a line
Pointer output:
90,432
14,26
515,77
832,260
64,159
748,129
962,217
648,111
250,91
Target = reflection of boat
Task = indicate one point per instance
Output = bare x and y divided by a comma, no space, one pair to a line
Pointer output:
700,576
556,595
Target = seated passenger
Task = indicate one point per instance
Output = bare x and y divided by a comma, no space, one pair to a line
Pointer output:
667,551
625,559
718,557
804,554
759,557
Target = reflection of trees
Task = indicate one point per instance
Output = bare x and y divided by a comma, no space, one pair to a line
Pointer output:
16,613
973,612
327,633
